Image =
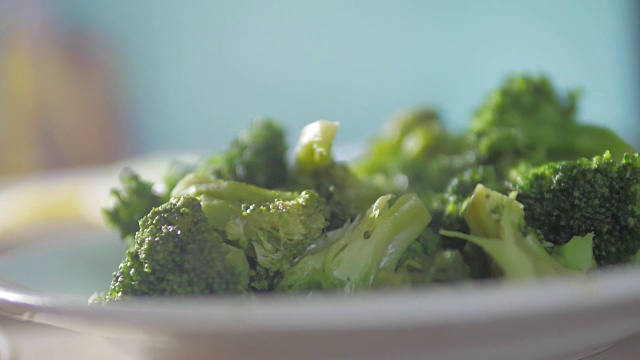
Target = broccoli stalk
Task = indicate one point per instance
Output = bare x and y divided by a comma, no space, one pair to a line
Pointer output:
351,257
497,226
315,168
177,252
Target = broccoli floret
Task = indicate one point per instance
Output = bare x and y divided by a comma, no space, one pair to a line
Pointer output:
315,168
133,201
497,226
430,259
273,227
280,230
257,157
415,152
350,258
177,252
421,265
574,198
527,120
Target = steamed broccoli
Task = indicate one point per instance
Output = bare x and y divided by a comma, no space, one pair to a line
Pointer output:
273,227
280,230
315,168
177,252
257,157
497,226
444,266
133,201
421,265
527,120
351,257
415,209
415,152
446,207
574,198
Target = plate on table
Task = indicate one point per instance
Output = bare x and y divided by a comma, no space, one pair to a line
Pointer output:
49,280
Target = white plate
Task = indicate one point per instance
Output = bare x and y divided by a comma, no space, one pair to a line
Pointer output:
49,282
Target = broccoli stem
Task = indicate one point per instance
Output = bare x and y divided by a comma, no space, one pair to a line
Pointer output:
351,257
197,185
497,226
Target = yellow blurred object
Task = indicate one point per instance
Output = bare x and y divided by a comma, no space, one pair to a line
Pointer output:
59,104
71,197
18,143
33,204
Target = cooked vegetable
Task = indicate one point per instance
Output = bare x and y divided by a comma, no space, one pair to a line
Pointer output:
315,168
527,120
523,193
131,203
256,157
575,198
272,227
351,257
498,227
177,252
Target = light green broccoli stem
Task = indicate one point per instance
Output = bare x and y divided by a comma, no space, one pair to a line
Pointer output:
351,257
313,150
376,241
197,185
497,226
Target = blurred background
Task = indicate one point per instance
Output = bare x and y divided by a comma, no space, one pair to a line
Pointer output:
84,83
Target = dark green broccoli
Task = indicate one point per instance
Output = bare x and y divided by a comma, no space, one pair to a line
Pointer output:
133,201
574,198
315,168
498,227
257,157
273,227
527,120
351,257
177,252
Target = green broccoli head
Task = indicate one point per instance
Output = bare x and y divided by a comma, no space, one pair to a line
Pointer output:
574,198
280,230
133,201
257,157
273,227
177,252
528,120
498,227
415,152
315,168
351,257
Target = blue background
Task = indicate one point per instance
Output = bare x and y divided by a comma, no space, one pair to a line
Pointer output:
197,72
